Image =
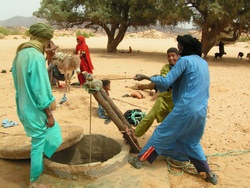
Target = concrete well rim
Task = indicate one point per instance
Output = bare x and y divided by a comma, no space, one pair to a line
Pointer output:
88,170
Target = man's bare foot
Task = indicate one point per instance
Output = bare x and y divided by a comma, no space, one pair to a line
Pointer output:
39,185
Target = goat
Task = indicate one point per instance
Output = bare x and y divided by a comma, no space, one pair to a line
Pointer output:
219,55
66,64
240,55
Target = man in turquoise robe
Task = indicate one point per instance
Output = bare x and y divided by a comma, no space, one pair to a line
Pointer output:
34,98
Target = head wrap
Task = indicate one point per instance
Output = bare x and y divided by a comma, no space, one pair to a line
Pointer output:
174,50
190,45
42,30
81,38
105,82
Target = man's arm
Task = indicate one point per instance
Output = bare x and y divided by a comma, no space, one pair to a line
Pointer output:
50,117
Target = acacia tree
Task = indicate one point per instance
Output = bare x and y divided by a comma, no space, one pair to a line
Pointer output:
114,16
223,20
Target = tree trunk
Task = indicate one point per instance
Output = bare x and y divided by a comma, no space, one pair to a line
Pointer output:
114,41
208,40
112,46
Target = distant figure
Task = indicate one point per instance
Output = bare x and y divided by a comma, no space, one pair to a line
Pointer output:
50,52
221,51
240,55
86,63
221,48
248,56
129,50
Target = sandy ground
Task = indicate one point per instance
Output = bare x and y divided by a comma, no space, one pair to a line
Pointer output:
226,140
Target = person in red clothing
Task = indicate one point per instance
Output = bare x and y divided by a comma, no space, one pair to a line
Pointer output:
86,64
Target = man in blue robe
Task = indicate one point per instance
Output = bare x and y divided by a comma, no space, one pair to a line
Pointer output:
179,135
34,98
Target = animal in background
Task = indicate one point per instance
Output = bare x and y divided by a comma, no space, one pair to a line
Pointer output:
219,55
66,64
248,56
240,55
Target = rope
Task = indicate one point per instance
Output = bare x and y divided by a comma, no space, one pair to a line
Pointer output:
183,166
129,103
230,153
115,78
90,140
189,168
130,132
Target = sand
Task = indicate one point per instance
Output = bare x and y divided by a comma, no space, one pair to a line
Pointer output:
226,140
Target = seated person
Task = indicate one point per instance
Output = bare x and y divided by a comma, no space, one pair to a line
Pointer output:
101,112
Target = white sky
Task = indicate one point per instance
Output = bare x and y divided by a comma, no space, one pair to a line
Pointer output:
11,8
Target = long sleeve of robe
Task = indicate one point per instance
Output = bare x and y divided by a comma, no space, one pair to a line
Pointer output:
33,95
183,128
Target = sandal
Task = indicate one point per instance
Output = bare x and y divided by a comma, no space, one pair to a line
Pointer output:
64,99
212,178
6,123
134,161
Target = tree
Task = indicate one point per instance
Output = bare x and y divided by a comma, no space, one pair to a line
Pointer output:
220,20
114,16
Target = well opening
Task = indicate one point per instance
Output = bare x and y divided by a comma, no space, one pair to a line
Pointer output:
75,162
102,149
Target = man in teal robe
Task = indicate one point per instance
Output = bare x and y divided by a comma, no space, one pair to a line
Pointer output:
34,97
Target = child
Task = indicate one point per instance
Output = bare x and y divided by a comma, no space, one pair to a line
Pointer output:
101,112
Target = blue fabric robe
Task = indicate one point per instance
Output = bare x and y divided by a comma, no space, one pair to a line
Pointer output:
180,132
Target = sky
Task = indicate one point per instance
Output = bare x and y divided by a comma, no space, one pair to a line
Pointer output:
11,8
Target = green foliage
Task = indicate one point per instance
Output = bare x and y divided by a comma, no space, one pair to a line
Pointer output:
171,12
243,39
91,34
220,20
84,33
113,16
6,31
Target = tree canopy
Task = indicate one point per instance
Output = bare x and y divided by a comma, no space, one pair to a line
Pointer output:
218,20
114,16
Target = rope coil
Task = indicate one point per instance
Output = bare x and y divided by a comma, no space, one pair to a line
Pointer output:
189,168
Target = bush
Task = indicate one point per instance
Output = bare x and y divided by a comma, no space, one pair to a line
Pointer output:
243,39
5,31
85,34
1,36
